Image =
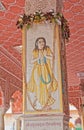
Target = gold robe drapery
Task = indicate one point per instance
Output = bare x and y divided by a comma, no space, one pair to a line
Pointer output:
42,81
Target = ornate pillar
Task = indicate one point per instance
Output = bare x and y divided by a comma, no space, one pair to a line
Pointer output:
60,118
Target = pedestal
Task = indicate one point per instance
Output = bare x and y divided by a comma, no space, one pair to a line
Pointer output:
44,122
11,121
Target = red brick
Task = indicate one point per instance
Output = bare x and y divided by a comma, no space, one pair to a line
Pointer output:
81,38
79,18
67,5
76,9
77,88
68,15
73,30
2,27
1,14
9,1
10,16
71,88
0,101
74,36
9,33
0,94
15,9
12,28
80,32
71,23
4,38
74,1
74,94
20,2
18,35
5,21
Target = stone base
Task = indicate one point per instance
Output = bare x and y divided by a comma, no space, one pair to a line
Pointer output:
43,122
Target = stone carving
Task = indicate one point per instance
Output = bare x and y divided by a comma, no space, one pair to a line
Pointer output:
35,5
27,6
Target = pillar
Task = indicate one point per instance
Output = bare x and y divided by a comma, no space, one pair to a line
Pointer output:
81,78
2,112
18,125
62,105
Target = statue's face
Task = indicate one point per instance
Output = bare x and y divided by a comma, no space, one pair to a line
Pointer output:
41,44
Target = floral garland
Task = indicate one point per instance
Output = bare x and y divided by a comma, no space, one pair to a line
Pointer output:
39,17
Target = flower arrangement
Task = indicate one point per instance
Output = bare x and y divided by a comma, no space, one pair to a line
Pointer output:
39,17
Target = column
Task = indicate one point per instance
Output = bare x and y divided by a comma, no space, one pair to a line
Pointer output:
2,112
81,78
18,125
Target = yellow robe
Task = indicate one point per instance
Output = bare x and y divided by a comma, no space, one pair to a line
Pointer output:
42,81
